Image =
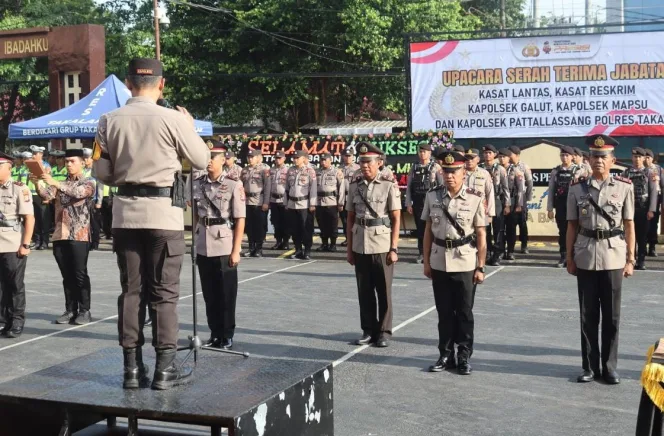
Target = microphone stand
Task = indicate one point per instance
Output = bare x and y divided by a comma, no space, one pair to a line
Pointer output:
195,344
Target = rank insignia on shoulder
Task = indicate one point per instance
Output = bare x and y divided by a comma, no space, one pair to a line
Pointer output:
577,181
232,176
623,179
474,192
17,183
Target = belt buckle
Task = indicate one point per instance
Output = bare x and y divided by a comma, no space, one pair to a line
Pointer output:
600,234
206,222
448,244
363,222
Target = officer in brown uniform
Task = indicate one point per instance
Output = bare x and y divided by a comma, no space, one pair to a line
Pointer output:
600,251
278,177
301,195
522,218
256,179
374,208
495,232
331,197
16,224
516,187
481,180
219,199
454,256
231,167
138,148
655,172
348,168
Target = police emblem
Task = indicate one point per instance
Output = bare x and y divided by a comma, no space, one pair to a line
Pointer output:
210,144
363,149
584,211
599,141
449,159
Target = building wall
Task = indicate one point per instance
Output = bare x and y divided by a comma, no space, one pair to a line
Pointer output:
639,10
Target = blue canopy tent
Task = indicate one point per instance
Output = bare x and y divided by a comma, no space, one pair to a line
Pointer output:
79,121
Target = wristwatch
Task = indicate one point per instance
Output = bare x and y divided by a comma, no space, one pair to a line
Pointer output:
26,246
481,269
632,262
396,250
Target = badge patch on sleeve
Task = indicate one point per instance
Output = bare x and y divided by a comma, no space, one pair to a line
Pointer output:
27,196
96,151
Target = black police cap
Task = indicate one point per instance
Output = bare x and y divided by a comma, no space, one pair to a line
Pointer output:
424,146
490,147
459,148
145,67
577,151
649,153
4,157
638,151
505,152
300,153
254,152
566,149
515,149
368,150
324,156
230,154
348,151
279,153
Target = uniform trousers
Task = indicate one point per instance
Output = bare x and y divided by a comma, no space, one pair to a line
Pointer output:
454,294
153,258
219,282
255,229
42,220
650,419
522,222
495,235
420,225
641,224
343,215
652,225
328,219
279,221
107,216
561,222
599,293
302,228
374,291
12,288
511,222
95,226
72,259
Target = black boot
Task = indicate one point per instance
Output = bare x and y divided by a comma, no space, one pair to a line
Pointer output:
333,245
278,244
258,250
250,251
307,254
134,368
652,252
285,245
166,374
640,263
495,259
323,245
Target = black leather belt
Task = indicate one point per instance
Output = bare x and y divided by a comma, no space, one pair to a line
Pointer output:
327,194
306,197
277,196
143,191
207,222
600,233
454,243
373,222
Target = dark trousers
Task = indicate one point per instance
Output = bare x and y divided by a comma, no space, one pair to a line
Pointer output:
496,233
374,290
454,294
343,215
12,288
652,225
522,222
95,226
641,224
279,221
107,216
219,282
72,259
511,221
649,420
561,222
420,225
255,228
328,218
154,258
42,220
599,292
302,228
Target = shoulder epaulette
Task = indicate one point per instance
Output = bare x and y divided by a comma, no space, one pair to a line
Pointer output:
577,181
623,179
474,192
200,177
17,183
436,188
232,176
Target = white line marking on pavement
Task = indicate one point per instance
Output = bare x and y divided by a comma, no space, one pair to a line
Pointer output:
403,324
38,338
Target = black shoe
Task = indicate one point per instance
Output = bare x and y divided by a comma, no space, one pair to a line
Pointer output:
494,261
509,256
562,263
245,253
323,247
15,331
640,265
524,250
344,244
83,318
652,252
65,318
464,367
285,246
587,376
419,259
382,342
41,247
166,374
227,344
257,253
364,340
306,256
276,246
213,342
297,255
333,248
134,368
611,377
443,362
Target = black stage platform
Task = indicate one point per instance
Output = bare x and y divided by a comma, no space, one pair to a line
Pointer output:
254,396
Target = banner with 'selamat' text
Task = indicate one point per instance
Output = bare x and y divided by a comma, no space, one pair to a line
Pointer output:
545,86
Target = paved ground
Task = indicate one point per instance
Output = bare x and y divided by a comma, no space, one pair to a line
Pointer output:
525,362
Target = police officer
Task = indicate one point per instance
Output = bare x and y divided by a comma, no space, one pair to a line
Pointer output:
138,148
600,251
278,176
496,231
481,181
231,166
331,197
522,218
41,207
16,216
348,168
655,174
256,179
301,195
516,187
71,238
421,178
219,199
559,181
645,202
454,256
374,208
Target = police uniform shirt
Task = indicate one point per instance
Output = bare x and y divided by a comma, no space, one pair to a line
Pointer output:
645,187
383,195
432,169
221,198
500,185
516,185
301,184
257,183
278,177
331,190
144,142
348,171
467,209
528,182
480,181
559,179
655,173
234,170
616,196
16,201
